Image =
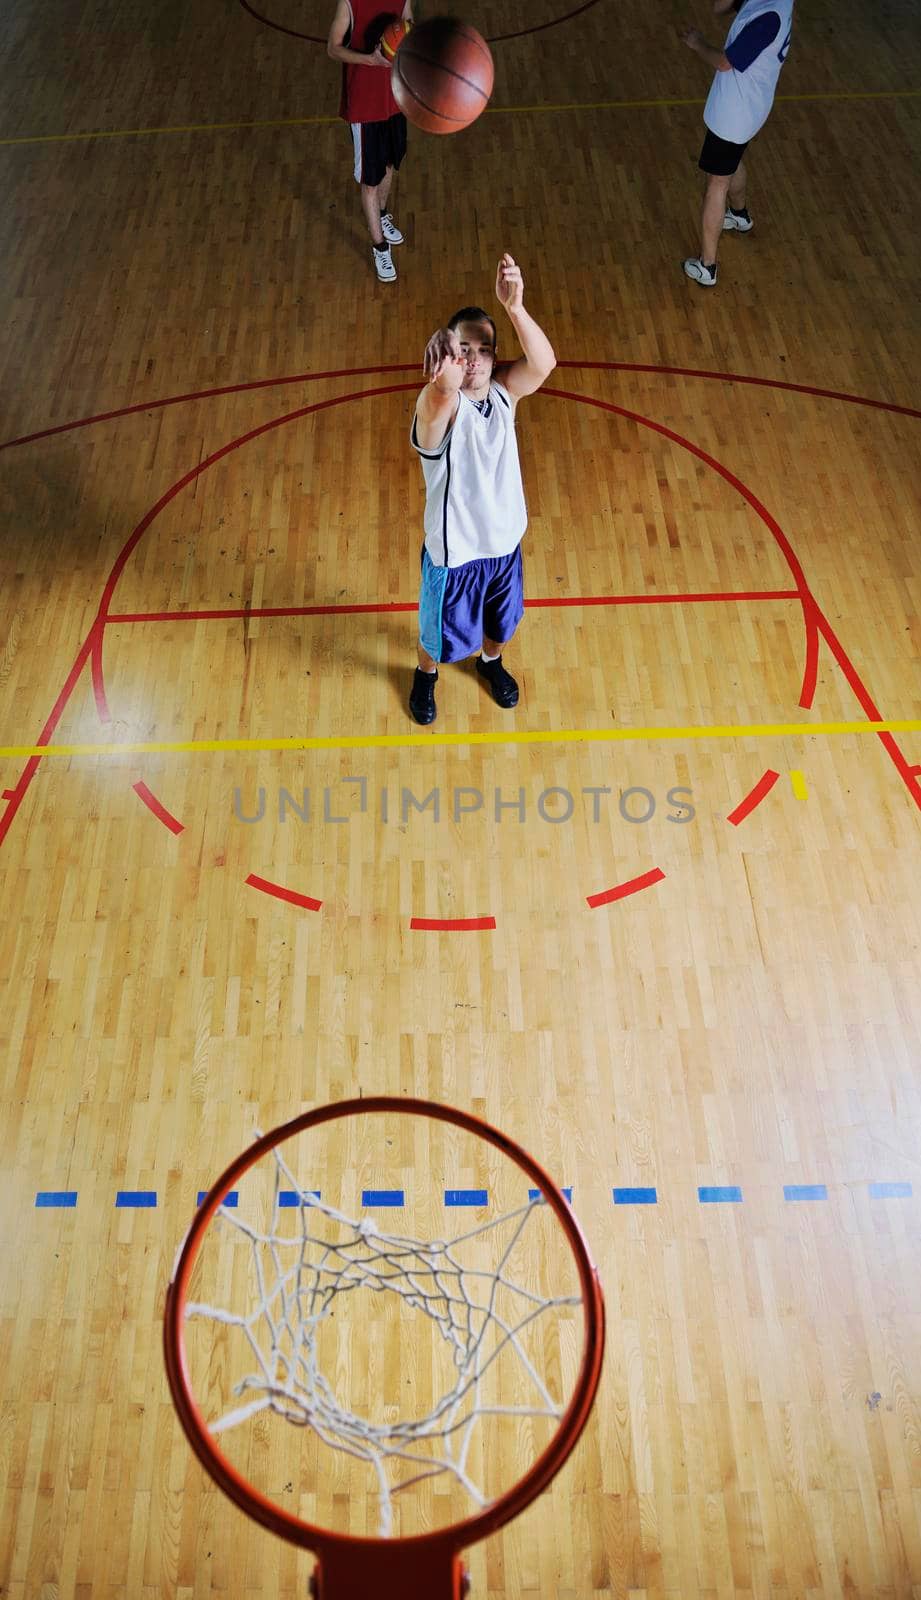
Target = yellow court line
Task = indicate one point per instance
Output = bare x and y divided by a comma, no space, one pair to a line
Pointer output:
798,785
399,741
494,111
192,127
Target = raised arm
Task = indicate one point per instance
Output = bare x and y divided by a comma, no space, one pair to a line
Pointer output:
444,366
534,367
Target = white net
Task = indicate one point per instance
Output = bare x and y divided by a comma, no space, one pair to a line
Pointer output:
480,1289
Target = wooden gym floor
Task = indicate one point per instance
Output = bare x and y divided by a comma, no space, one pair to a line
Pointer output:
210,531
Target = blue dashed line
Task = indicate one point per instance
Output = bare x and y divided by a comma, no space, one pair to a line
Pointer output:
729,1194
635,1197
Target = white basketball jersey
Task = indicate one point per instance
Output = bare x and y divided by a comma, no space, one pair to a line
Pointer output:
474,497
739,102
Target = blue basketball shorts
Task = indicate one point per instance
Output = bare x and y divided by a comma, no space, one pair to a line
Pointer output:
460,606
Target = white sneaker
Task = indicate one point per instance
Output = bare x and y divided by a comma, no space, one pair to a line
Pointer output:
702,274
383,263
389,229
737,221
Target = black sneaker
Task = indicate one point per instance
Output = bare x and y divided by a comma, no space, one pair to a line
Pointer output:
422,696
503,686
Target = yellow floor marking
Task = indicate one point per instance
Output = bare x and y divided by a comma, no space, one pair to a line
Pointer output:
799,785
398,741
495,111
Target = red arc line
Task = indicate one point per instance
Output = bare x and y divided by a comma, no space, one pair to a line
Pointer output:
158,808
754,798
413,366
453,924
279,892
814,620
631,886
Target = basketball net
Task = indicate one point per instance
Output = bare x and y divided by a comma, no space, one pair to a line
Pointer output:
482,1313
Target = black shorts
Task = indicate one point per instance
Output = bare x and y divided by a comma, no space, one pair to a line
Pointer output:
377,146
720,157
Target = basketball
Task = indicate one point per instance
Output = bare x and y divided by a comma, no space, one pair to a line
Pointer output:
443,75
393,36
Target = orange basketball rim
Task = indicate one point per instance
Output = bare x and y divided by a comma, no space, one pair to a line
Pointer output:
427,1564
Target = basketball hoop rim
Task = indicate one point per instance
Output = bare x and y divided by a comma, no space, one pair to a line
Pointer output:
510,1504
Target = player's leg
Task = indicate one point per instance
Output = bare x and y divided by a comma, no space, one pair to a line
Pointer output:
737,218
503,609
371,208
369,146
737,187
395,150
383,190
719,161
712,213
450,625
432,586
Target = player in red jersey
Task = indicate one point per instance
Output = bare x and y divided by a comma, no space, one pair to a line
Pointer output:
377,125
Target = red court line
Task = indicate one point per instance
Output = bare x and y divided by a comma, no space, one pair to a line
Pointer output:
813,618
453,924
540,27
762,788
383,606
98,677
235,612
212,394
169,494
621,890
267,22
811,615
17,795
413,366
281,893
158,808
744,378
91,645
909,774
493,38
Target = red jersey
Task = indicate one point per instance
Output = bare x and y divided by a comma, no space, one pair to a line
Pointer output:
366,92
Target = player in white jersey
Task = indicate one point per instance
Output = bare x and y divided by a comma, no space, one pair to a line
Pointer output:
471,595
739,102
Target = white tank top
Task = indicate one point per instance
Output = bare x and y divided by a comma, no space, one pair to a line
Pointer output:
474,497
739,102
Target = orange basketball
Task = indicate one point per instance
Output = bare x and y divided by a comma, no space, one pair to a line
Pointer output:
443,75
393,36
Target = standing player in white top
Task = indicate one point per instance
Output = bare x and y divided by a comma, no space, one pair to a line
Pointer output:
740,99
471,596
